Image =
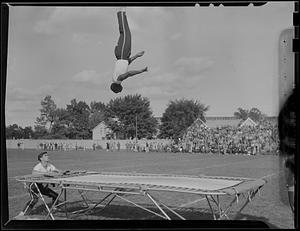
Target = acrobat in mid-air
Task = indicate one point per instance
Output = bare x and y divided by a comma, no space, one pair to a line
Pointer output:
122,53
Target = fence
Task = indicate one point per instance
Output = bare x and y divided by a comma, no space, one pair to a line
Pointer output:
76,144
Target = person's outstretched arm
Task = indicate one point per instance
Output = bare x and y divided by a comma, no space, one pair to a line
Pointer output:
131,73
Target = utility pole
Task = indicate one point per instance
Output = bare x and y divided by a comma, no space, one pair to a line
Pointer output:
136,128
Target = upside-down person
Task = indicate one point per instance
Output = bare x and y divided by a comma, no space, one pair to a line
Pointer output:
122,53
41,168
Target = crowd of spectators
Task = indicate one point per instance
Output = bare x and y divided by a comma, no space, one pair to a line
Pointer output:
249,140
149,146
59,146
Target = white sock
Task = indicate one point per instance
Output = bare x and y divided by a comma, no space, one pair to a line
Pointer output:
122,9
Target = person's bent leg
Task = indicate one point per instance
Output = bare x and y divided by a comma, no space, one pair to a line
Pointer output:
33,200
131,59
50,193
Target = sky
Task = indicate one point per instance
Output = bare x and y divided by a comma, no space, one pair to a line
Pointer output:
222,57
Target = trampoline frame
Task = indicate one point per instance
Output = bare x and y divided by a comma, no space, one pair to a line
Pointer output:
114,190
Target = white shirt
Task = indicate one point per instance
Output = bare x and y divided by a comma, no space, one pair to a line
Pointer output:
121,67
40,168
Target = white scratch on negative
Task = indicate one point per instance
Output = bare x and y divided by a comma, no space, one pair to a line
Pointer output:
192,202
271,175
18,196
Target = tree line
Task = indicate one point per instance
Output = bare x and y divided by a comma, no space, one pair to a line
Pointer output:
127,117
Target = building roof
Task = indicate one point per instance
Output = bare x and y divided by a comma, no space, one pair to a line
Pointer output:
98,125
248,122
217,121
198,122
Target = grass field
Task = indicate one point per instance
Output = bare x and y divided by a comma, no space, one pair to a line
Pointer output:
269,206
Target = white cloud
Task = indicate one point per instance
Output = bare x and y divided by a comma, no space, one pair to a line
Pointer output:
45,27
81,18
86,39
176,36
159,92
21,105
86,76
147,18
19,94
165,86
81,38
193,65
90,77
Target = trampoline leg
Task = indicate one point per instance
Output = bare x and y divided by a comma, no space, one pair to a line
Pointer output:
157,205
104,200
41,196
212,211
141,207
171,210
223,212
228,207
219,206
53,205
89,209
65,195
106,203
217,202
247,201
81,194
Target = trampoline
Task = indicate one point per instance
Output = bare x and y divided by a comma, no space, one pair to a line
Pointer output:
121,184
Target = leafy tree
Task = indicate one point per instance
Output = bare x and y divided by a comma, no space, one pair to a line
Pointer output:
47,116
97,106
40,132
14,132
179,115
61,124
78,117
124,114
254,113
28,133
241,113
97,113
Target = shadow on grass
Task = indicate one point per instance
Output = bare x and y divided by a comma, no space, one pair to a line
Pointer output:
256,218
129,212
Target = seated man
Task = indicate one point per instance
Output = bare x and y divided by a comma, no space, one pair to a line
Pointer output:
41,168
122,53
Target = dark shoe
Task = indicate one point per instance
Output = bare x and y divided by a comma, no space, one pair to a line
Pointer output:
140,54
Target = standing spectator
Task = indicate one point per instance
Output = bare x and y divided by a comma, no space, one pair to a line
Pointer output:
119,145
107,146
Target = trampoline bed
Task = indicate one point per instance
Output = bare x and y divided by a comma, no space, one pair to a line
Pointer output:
121,184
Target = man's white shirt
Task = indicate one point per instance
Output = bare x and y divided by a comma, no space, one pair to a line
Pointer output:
40,168
121,67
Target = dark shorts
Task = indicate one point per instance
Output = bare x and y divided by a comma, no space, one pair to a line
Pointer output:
123,49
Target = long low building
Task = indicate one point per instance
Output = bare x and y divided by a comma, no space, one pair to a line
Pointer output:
217,121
